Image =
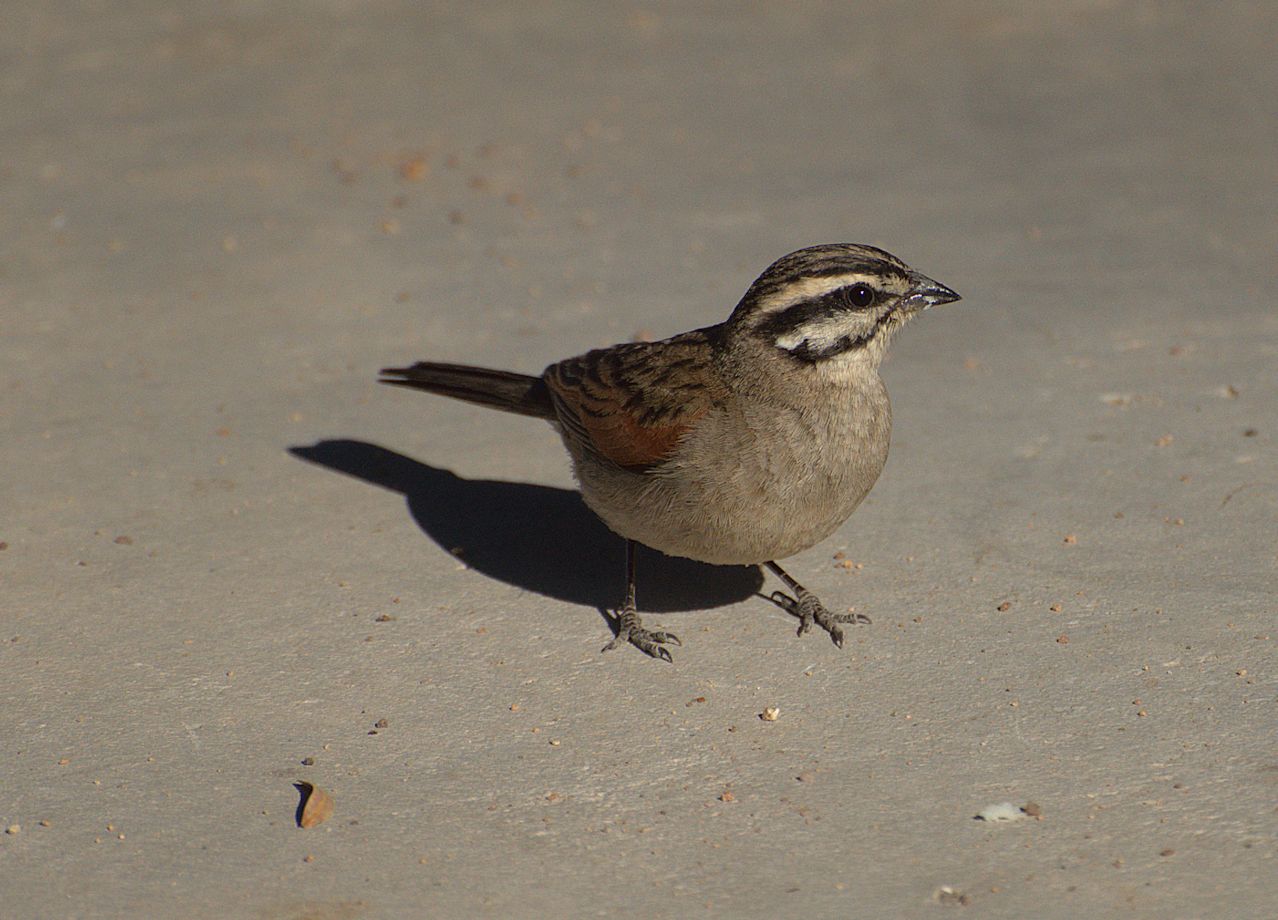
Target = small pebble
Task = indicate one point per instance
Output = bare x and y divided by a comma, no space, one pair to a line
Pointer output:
415,169
317,805
951,896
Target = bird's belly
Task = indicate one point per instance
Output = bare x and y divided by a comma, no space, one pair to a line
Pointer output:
735,496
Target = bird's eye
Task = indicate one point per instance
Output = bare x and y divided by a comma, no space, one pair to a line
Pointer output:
861,295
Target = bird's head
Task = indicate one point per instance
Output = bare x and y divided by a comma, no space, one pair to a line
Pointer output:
834,303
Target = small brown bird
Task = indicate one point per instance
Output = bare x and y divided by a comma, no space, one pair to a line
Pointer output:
740,443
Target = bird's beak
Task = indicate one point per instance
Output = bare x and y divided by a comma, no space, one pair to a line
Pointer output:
924,293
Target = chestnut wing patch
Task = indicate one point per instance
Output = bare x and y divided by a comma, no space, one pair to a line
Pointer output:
632,404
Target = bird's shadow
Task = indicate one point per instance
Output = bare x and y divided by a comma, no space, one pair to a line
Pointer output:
539,538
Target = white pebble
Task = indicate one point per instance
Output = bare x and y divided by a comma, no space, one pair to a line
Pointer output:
1003,811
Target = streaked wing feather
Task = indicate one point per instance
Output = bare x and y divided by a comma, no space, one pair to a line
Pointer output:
631,404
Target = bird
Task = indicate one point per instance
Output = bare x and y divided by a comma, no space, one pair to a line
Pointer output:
740,443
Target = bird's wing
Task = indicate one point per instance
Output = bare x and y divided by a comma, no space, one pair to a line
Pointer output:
631,404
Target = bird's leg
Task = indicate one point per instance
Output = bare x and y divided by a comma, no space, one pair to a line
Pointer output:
808,608
630,627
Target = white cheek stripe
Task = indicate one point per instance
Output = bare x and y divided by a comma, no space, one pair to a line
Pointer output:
822,335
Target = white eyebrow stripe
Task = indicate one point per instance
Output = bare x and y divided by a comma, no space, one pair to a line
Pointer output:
812,288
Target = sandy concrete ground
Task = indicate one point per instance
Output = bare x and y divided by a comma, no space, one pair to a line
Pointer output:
228,554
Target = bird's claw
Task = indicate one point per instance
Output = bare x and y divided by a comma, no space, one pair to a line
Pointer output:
809,609
650,642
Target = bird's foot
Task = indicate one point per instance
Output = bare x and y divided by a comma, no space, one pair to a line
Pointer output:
650,642
809,609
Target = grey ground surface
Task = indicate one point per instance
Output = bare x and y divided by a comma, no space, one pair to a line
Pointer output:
226,549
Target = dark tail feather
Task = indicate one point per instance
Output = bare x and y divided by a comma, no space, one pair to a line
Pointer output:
503,390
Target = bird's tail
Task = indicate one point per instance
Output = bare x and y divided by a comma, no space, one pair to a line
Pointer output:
503,390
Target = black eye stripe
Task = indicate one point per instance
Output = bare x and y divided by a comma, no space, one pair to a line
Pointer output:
827,306
786,321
